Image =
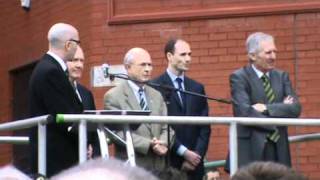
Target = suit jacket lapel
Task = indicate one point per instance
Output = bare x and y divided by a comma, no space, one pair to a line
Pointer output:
257,84
188,97
149,96
131,98
275,85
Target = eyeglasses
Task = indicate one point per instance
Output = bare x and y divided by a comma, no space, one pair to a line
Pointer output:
76,41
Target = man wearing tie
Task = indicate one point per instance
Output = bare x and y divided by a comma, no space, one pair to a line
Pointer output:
75,69
150,140
260,90
191,142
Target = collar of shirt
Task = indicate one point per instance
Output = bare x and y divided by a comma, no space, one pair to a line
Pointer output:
173,78
59,60
258,72
135,89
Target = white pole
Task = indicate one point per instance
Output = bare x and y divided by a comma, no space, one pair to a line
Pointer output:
42,149
14,139
233,144
129,145
82,141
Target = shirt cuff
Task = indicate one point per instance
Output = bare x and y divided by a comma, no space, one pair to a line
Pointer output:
181,150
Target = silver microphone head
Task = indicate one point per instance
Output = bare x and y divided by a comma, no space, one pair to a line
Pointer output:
105,69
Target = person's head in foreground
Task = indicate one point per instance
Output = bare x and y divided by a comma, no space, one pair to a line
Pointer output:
267,171
11,173
102,169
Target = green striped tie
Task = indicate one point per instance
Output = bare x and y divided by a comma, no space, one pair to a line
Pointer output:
267,89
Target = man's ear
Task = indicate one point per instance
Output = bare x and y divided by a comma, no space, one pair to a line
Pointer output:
252,56
169,56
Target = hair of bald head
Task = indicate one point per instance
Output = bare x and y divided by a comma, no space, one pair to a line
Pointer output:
59,33
254,40
131,54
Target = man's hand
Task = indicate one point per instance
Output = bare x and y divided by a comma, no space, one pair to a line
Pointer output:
89,151
160,150
159,147
192,157
187,166
259,107
288,100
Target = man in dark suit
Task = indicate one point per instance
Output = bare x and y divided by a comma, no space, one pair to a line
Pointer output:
50,92
191,142
75,68
260,90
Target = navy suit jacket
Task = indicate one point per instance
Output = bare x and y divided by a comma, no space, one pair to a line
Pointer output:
194,137
50,92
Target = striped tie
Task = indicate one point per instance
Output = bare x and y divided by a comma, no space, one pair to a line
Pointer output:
267,89
142,103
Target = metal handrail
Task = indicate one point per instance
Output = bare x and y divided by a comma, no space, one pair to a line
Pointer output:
41,121
24,123
14,139
231,121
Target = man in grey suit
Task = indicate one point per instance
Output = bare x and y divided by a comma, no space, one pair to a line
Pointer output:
260,90
150,140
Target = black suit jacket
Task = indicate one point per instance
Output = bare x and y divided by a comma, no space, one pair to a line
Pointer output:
194,137
87,98
88,104
246,90
50,92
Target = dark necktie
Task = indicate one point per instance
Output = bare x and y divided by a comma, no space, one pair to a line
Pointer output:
142,102
66,72
267,89
180,94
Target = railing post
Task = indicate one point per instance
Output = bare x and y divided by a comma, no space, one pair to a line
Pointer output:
82,141
42,149
103,142
129,144
233,144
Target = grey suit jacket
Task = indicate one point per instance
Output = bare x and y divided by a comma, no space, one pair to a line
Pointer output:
247,89
122,97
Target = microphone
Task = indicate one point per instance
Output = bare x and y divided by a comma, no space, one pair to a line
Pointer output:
105,70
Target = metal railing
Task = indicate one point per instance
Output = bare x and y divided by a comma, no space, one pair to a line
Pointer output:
231,121
82,119
209,165
41,122
14,139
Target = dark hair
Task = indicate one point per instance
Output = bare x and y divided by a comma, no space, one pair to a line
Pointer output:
170,173
267,171
169,47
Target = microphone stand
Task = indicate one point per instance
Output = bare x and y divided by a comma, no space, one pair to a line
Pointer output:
168,88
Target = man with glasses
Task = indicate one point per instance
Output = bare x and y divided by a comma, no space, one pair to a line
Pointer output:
50,92
150,140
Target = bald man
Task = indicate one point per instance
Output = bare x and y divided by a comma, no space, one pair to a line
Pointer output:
150,140
50,92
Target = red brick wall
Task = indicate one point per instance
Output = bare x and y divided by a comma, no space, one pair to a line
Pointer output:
217,43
